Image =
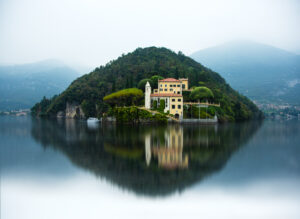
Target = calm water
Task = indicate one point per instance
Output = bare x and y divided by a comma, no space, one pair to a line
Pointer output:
67,169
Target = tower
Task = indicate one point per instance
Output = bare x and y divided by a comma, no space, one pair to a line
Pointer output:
148,149
147,95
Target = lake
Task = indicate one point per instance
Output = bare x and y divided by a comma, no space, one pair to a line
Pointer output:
69,169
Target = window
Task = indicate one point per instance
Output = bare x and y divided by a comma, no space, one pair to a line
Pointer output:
166,89
178,85
178,92
179,106
171,85
179,100
165,85
173,106
160,89
183,86
171,89
173,100
161,85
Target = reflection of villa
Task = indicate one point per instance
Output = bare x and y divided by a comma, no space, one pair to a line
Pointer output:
168,152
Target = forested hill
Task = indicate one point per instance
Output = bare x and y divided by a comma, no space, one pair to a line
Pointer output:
126,72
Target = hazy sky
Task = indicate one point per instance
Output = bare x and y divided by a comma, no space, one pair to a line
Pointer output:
92,32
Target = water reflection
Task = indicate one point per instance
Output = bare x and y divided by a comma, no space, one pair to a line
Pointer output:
167,149
145,159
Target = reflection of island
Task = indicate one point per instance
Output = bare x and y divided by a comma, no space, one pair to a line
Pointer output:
176,156
169,152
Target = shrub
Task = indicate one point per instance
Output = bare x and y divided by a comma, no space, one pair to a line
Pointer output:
135,115
126,97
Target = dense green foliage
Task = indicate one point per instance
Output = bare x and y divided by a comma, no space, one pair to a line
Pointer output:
88,108
126,97
41,107
201,94
153,82
199,113
143,82
154,105
135,115
128,70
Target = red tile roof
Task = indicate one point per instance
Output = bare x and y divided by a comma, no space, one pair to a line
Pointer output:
169,80
166,95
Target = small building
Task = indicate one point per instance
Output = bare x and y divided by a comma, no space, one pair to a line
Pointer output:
169,90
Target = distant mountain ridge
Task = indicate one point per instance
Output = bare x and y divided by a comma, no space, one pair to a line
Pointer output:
22,85
261,72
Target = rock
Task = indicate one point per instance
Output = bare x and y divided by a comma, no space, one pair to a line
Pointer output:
74,111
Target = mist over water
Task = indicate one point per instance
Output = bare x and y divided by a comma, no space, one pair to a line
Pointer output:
66,168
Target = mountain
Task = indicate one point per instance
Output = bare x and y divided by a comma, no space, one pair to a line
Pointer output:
263,73
128,70
23,85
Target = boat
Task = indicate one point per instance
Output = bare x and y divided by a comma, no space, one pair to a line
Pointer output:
92,120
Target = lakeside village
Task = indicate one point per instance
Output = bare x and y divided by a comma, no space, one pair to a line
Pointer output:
20,112
279,111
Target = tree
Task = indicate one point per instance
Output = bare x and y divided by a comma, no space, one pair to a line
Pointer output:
154,80
88,107
162,105
143,82
155,104
126,97
201,93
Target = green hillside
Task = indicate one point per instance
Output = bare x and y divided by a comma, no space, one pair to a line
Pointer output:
128,70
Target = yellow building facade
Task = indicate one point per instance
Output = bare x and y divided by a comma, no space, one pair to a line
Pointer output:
169,90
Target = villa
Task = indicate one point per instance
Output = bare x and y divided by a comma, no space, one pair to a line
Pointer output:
170,90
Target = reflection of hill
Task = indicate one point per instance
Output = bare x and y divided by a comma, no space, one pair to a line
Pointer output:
118,153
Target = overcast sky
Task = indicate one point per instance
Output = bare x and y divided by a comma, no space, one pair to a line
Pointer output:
92,32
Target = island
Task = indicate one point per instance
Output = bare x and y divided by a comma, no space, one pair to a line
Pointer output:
119,90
